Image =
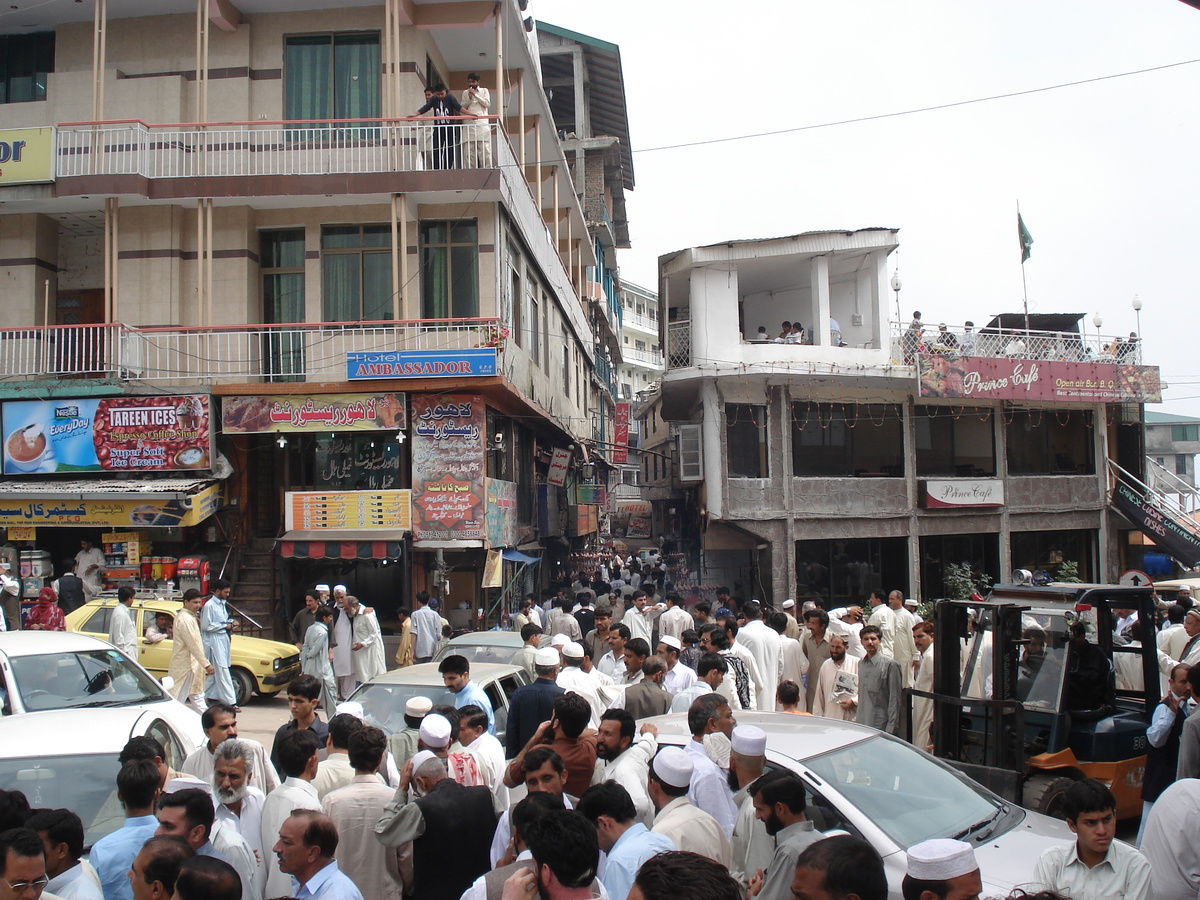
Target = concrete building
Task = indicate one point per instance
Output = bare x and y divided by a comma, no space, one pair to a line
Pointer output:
235,200
1172,442
871,454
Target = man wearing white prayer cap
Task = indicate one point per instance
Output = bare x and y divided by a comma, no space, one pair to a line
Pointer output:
559,641
679,677
792,630
942,869
323,593
571,677
435,732
342,644
752,847
690,828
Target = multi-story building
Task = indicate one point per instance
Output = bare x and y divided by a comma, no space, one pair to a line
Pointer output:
1172,442
236,201
641,351
872,454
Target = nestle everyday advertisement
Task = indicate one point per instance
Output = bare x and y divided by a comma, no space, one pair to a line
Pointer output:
107,434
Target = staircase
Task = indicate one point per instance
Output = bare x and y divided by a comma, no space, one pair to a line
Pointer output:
1156,514
252,592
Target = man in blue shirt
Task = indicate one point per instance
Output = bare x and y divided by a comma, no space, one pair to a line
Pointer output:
532,704
456,675
138,785
307,842
626,841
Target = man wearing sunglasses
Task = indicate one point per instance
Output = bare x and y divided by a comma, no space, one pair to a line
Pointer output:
23,858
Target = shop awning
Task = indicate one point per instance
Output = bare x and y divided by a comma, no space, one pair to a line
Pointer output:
517,556
332,544
117,503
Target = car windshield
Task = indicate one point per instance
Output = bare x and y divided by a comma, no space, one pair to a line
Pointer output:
481,653
84,679
1041,667
383,704
910,797
87,785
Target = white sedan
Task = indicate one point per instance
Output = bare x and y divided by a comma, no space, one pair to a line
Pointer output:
42,671
892,795
68,758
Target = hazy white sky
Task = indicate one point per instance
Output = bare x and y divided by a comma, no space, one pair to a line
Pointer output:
1106,173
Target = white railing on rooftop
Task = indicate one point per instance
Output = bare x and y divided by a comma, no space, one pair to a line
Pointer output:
236,149
289,352
1065,346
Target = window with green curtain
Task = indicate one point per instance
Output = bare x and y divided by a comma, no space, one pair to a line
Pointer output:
356,273
449,269
281,263
332,76
25,62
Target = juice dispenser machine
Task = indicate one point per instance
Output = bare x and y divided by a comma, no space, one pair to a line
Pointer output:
193,572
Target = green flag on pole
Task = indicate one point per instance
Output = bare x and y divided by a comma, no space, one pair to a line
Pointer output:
1025,237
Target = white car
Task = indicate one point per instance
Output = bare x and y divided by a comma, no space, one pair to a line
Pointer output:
485,646
892,795
42,671
68,759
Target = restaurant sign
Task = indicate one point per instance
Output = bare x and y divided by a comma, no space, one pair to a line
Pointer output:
1175,540
962,493
985,378
447,467
109,434
114,512
421,363
266,414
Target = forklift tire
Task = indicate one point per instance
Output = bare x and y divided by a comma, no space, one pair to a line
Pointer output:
1044,794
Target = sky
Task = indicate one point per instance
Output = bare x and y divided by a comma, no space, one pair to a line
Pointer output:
1105,173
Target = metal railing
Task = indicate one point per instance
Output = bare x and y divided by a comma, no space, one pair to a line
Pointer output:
643,323
1165,503
908,343
288,352
644,357
1165,481
133,147
679,345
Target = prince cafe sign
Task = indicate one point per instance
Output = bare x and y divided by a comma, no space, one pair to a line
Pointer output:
962,494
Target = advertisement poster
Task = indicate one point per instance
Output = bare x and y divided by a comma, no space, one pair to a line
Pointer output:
559,464
493,570
115,513
266,414
632,519
620,453
447,467
501,513
348,510
109,434
986,378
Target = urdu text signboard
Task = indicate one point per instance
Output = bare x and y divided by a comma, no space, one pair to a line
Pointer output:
421,363
115,512
108,434
985,378
266,414
447,467
501,513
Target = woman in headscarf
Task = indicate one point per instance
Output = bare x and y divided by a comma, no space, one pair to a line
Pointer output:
46,615
316,658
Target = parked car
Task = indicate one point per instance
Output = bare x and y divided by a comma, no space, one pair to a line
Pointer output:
41,671
67,758
893,795
485,646
258,665
1169,589
384,697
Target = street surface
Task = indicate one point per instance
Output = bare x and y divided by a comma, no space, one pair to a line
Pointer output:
260,718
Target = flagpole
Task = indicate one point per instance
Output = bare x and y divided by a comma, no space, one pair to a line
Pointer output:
1024,288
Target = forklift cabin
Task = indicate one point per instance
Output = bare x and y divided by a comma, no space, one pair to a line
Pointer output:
1033,692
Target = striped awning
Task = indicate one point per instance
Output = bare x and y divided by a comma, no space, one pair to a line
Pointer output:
340,545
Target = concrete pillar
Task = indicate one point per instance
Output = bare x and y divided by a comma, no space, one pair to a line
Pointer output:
711,429
783,587
583,122
880,333
819,272
1106,563
1001,438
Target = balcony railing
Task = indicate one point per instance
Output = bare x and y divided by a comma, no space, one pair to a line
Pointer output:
232,354
642,323
642,357
236,149
1068,346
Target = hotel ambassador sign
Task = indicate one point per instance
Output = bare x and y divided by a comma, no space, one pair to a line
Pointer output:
26,155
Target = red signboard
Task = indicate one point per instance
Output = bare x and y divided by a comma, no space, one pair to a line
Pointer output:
621,434
985,378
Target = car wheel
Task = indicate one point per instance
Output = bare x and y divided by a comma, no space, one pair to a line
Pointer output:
1044,794
244,684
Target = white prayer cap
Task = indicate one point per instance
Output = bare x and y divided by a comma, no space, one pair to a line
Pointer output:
940,860
1182,588
350,708
673,766
546,656
419,759
339,589
789,603
435,731
670,641
749,740
572,650
323,587
909,601
184,782
418,707
559,639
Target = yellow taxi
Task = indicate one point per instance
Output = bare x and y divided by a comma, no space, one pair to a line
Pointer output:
256,664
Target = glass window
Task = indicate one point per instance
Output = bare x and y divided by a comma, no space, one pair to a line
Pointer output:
25,62
98,623
535,339
840,572
982,551
1181,464
847,440
1050,442
281,261
85,679
356,270
953,441
746,440
1047,551
449,269
331,76
1185,432
86,784
516,297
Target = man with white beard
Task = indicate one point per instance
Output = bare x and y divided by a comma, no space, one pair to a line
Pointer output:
343,642
239,804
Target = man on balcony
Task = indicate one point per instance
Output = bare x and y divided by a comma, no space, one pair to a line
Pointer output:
445,140
477,145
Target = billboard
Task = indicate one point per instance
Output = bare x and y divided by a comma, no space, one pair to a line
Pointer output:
266,414
114,512
26,155
985,378
621,434
447,467
109,434
420,363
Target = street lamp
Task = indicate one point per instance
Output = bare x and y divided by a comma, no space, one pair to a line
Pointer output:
895,283
1097,321
1137,311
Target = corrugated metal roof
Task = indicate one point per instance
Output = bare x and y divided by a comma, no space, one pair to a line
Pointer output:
1162,418
99,488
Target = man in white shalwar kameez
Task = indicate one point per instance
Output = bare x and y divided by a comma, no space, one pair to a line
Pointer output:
922,707
343,639
763,642
836,696
366,641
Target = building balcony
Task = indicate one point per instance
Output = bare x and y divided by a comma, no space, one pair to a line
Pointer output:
646,359
1057,346
641,323
302,352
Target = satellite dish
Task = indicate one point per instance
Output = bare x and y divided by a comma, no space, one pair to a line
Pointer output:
1022,576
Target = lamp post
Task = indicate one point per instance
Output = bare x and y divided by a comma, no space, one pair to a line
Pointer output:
1097,321
1137,311
895,283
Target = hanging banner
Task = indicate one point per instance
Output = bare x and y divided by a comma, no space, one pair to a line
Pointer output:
109,434
501,513
985,378
312,412
620,453
1168,534
558,467
447,467
493,570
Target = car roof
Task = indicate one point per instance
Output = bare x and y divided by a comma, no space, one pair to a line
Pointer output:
488,639
1193,583
36,643
798,737
44,733
427,673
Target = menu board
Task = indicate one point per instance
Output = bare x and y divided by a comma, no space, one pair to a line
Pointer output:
447,467
108,434
349,510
